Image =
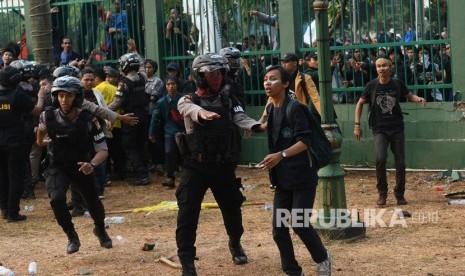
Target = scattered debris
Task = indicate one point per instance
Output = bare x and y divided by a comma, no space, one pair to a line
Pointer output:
85,271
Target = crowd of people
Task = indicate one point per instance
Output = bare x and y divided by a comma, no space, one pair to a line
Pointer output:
99,123
80,126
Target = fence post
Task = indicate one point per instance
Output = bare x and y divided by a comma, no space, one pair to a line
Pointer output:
456,10
290,27
154,36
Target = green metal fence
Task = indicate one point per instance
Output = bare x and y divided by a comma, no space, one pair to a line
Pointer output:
407,31
12,27
359,29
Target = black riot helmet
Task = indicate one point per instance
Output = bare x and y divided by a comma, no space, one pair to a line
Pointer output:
67,84
129,61
234,58
9,77
207,63
41,71
25,67
67,70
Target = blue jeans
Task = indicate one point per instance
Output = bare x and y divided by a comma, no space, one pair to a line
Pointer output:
397,142
171,156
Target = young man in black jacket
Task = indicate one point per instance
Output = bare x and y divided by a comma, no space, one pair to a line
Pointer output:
292,173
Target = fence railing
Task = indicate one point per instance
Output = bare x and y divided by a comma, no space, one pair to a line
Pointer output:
415,32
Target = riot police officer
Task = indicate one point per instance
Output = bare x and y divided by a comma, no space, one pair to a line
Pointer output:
208,115
73,133
29,87
234,76
131,97
13,142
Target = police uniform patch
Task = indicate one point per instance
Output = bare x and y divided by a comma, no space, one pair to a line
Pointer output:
96,123
287,132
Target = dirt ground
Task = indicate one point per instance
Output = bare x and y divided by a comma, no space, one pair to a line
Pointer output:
432,243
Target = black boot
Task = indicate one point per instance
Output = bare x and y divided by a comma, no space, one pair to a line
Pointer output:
73,241
237,252
103,237
78,210
188,268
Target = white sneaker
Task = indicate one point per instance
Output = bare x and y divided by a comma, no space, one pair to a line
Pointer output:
324,268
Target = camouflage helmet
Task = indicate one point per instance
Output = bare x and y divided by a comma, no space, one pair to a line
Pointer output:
25,67
68,84
207,63
234,57
67,70
129,61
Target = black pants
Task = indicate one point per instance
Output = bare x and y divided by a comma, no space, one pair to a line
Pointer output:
397,142
13,167
134,138
296,199
116,153
57,183
195,181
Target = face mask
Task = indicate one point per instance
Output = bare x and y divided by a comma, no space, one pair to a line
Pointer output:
214,82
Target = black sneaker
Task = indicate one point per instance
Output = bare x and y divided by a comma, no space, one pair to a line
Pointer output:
78,211
188,269
237,252
28,195
16,218
73,242
140,181
169,183
103,237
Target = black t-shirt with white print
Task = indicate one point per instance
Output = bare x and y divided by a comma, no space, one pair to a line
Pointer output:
387,113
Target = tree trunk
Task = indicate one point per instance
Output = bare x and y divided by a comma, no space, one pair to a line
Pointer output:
41,31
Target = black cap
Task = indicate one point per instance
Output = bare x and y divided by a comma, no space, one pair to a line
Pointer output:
290,57
310,55
111,71
173,66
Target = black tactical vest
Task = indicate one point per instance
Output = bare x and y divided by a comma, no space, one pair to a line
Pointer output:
8,116
136,100
71,142
210,140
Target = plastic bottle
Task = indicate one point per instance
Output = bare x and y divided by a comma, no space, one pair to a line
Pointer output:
32,269
120,239
114,220
457,202
6,271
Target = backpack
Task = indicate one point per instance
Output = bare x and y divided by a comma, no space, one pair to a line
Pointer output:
320,147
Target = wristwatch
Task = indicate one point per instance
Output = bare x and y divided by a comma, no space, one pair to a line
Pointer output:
283,154
92,163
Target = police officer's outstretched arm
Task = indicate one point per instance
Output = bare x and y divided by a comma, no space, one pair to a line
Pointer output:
242,120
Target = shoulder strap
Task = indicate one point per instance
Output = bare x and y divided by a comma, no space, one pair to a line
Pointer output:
49,114
373,86
86,115
304,85
290,109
